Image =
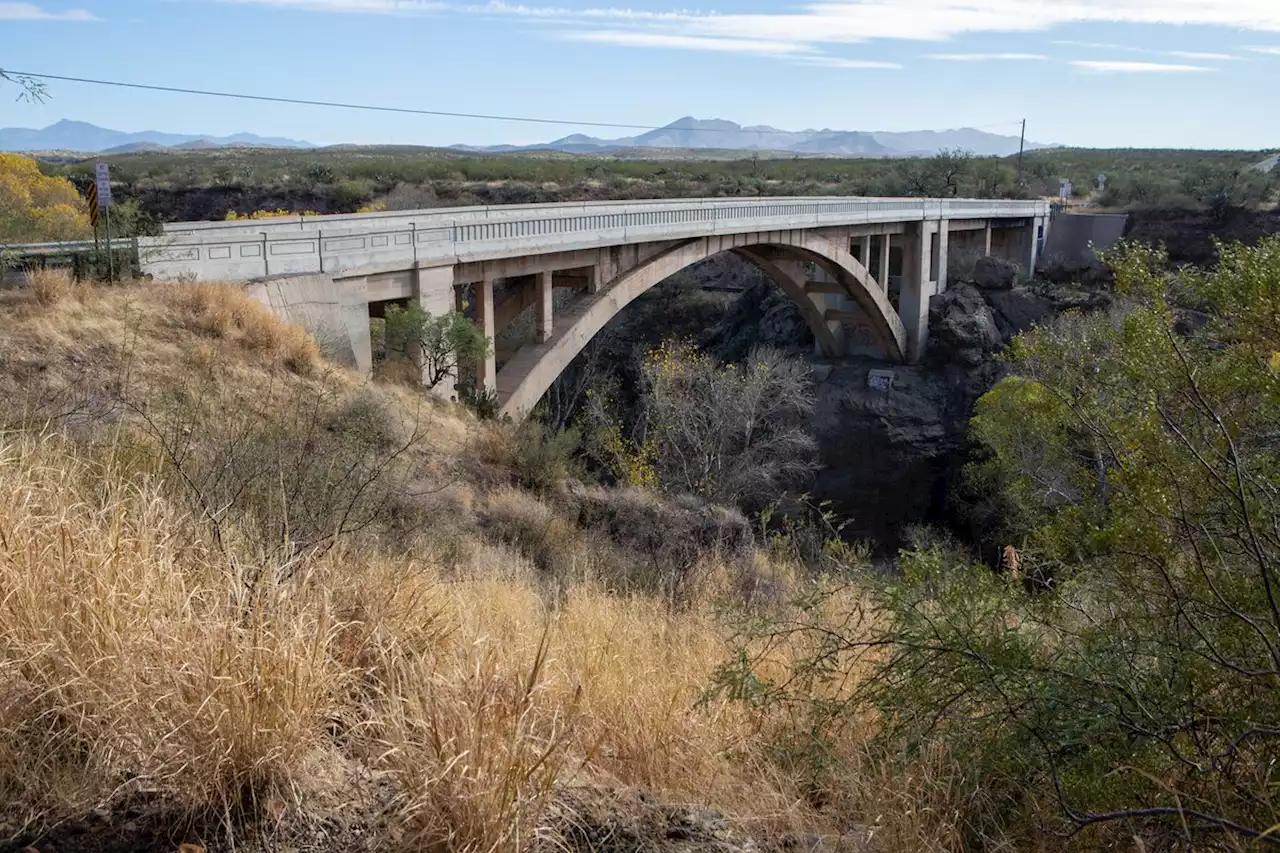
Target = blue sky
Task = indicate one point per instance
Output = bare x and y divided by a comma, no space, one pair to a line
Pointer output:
1169,73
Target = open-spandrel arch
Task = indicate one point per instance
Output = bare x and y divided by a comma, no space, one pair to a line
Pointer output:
781,254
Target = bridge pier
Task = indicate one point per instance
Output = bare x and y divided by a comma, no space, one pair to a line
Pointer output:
944,246
886,248
1037,229
546,321
487,369
917,285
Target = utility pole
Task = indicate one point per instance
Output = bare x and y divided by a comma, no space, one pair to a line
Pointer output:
1022,147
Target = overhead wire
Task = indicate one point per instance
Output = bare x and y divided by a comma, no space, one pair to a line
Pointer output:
276,99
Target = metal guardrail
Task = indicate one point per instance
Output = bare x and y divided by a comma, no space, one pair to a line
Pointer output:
68,247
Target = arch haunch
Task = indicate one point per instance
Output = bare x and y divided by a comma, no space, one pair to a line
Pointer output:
530,372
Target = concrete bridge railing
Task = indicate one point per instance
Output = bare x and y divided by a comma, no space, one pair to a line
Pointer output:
245,250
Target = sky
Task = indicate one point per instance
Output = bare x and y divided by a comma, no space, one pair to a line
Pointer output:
1101,73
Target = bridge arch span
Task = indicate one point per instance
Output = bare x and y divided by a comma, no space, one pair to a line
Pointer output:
534,367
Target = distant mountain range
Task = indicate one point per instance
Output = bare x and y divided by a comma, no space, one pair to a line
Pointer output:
685,133
695,133
68,135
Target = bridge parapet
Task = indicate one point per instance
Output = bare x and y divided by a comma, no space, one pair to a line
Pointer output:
349,244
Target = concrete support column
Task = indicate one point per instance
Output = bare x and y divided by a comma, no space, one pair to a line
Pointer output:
1037,224
986,233
944,245
544,303
434,292
882,274
864,253
487,369
593,279
916,287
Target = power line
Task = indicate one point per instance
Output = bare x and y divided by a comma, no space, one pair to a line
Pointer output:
305,102
381,109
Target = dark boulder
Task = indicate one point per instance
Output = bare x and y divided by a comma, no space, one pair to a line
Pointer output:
1019,309
961,326
991,273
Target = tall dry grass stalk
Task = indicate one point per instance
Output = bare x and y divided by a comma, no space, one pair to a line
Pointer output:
130,656
226,311
49,286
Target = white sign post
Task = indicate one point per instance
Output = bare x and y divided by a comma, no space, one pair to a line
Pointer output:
102,178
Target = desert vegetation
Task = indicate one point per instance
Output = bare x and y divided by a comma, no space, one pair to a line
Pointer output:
35,208
251,600
214,184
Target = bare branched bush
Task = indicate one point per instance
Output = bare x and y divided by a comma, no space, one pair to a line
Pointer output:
733,434
294,472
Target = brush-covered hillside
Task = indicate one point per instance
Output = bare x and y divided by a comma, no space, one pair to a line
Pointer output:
249,600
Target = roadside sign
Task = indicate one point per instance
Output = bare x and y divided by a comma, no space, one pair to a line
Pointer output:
102,183
102,179
92,203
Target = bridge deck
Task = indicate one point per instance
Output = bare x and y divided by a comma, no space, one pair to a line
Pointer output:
363,243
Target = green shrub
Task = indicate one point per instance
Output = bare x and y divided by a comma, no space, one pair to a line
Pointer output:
1120,674
544,458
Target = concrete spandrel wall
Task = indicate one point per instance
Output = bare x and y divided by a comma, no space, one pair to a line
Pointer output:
335,313
216,255
1074,237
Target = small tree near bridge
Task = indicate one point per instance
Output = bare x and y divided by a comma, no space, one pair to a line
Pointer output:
440,343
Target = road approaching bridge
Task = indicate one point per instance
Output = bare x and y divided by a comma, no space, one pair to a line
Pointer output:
833,256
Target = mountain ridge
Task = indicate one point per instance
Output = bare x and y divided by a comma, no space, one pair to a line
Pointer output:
686,133
694,133
81,136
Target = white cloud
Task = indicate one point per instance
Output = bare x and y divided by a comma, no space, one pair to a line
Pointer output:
32,12
986,57
864,20
1267,49
368,7
1097,45
1206,57
841,62
1180,54
498,7
815,24
674,41
1136,67
935,20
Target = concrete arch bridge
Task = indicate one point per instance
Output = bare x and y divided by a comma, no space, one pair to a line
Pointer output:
834,257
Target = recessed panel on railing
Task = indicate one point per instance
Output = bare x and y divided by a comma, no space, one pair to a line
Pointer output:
485,233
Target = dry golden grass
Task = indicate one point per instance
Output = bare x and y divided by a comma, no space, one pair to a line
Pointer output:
454,699
226,311
49,286
130,650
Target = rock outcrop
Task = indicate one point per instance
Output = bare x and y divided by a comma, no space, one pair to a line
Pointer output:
962,326
891,457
